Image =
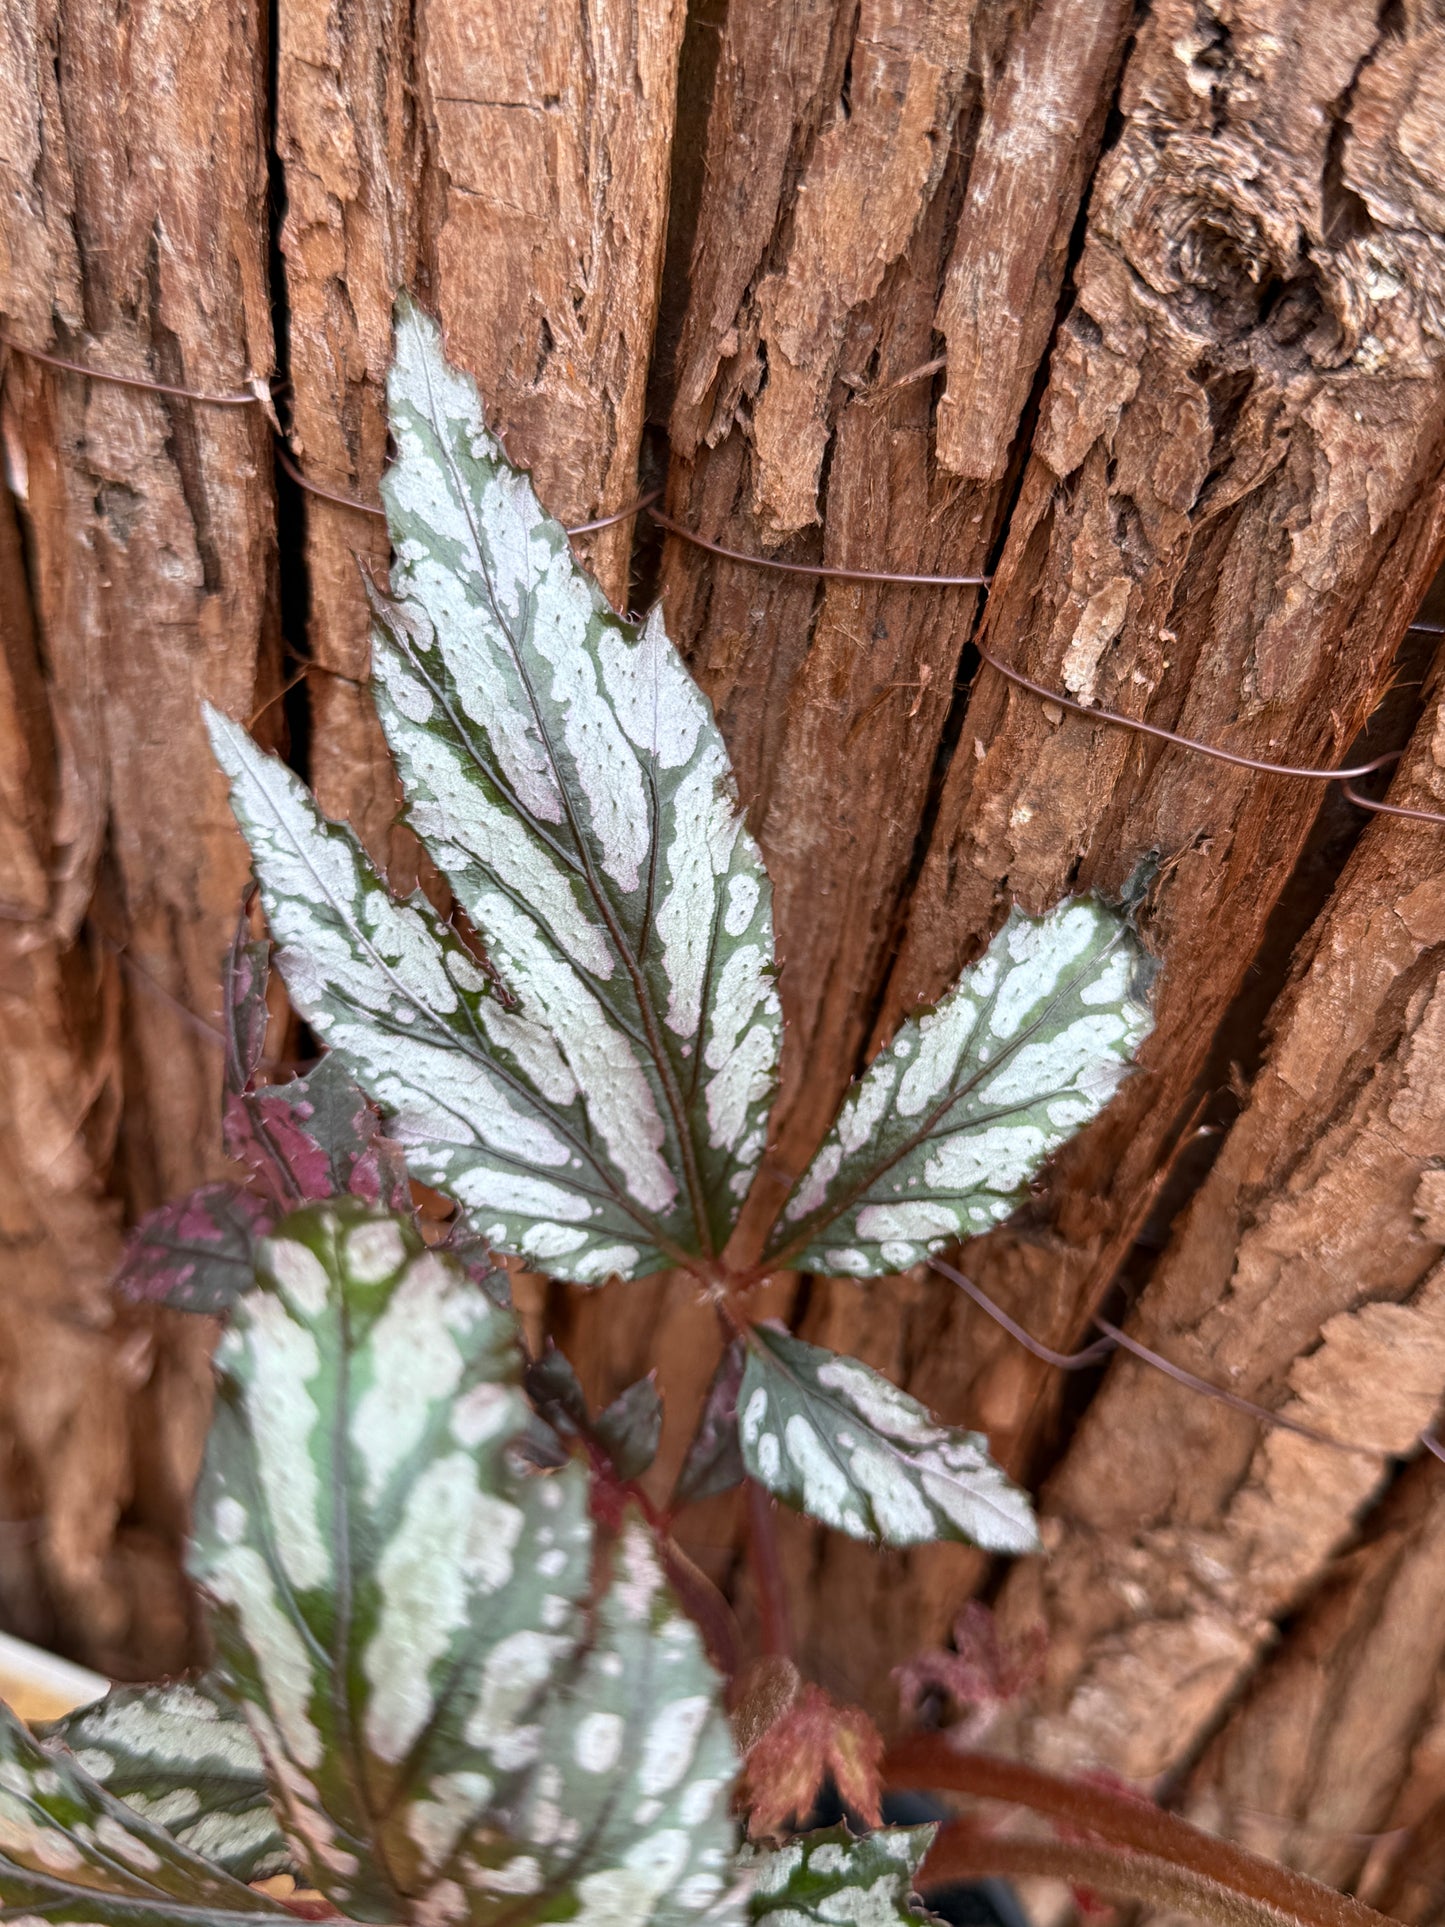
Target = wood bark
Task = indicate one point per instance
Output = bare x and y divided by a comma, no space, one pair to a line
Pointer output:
134,163
1311,1766
1140,311
520,181
1203,533
1306,1275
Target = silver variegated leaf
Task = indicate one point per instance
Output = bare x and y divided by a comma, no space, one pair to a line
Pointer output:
184,1762
832,1877
71,1852
940,1137
840,1442
395,1591
478,1095
627,1806
404,1600
568,777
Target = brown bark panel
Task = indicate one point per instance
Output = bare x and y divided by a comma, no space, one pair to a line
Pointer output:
1224,520
1305,1275
132,239
548,136
1312,1764
135,225
1218,491
539,160
1405,1873
69,1373
346,137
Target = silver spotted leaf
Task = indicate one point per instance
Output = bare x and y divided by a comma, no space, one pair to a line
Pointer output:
941,1135
626,1811
69,1851
840,1442
606,1114
394,1591
832,1877
478,1095
184,1762
568,778
401,1597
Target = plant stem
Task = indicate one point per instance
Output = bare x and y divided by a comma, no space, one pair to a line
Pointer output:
768,1572
963,1852
928,1760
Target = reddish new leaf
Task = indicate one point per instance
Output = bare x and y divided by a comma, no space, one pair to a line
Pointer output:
714,1461
312,1138
315,1137
981,1675
812,1742
629,1430
197,1254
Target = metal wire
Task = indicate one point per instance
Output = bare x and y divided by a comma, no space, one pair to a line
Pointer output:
1345,776
1115,1340
239,398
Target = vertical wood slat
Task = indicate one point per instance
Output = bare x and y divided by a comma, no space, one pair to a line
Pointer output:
347,142
1313,1763
1307,1273
133,239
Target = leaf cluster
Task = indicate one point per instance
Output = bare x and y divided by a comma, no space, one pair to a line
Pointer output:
454,1679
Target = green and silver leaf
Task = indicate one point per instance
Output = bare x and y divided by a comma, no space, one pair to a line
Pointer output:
832,1877
842,1443
478,1095
942,1134
184,1762
627,1806
70,1852
567,776
405,1604
395,1591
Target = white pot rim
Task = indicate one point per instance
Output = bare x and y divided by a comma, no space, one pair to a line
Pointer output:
41,1686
